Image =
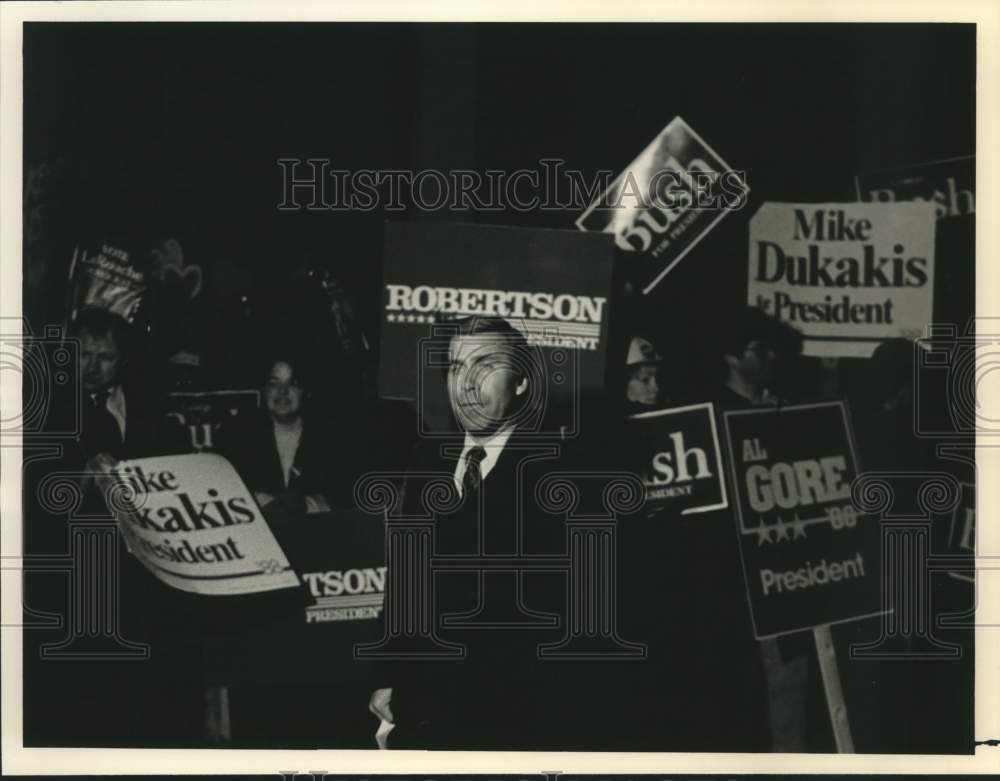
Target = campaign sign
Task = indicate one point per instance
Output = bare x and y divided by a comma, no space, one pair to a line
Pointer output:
666,200
678,456
847,275
212,418
340,559
961,541
809,557
192,522
950,185
341,563
551,285
105,276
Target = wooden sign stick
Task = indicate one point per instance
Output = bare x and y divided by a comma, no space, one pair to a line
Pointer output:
827,656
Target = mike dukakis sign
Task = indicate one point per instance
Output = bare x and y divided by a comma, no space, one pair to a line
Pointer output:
847,275
552,285
666,200
190,520
809,558
678,456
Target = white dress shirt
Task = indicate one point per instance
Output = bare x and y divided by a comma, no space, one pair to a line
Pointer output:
493,446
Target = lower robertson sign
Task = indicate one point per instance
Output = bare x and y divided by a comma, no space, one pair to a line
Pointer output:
809,557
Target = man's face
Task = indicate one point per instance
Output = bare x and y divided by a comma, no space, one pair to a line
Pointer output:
643,386
756,364
283,394
483,385
100,361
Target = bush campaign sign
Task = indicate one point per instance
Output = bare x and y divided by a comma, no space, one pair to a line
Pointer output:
950,185
192,522
211,419
848,275
666,200
809,557
676,451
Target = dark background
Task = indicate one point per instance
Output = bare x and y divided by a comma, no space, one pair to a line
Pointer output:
152,131
164,130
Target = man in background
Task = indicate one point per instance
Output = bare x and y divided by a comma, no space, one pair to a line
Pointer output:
119,420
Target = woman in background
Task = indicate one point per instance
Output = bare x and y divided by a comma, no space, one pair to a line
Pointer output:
285,460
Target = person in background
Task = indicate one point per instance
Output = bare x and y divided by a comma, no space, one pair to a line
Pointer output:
883,411
284,459
750,354
757,354
185,371
642,388
118,420
106,701
283,462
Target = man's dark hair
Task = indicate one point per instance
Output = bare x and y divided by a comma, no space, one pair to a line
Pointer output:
498,326
99,324
753,324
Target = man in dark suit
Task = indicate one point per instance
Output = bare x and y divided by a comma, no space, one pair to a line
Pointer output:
490,698
118,421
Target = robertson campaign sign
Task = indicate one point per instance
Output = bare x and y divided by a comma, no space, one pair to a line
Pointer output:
552,285
340,559
190,520
666,200
847,275
211,419
678,456
950,185
809,558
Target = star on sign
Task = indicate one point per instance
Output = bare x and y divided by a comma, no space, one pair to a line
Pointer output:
390,318
798,527
782,530
763,534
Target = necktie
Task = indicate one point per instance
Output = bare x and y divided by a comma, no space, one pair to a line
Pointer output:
473,478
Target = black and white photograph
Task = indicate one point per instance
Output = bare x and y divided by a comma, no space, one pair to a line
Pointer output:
463,385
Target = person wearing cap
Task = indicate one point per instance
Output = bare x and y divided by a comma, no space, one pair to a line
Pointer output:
642,388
